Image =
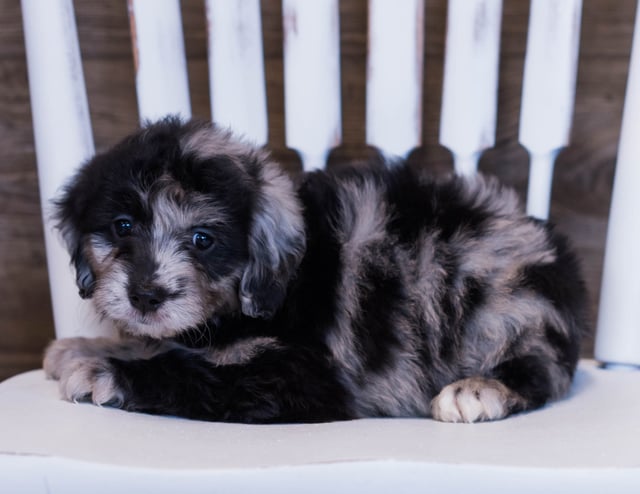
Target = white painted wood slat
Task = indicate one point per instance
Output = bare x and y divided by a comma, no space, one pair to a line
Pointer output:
161,68
618,335
469,98
236,67
312,78
548,92
63,139
394,75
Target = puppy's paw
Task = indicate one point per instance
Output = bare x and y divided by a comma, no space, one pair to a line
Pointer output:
472,400
90,379
60,353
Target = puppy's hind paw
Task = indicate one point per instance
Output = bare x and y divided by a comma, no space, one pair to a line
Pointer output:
472,400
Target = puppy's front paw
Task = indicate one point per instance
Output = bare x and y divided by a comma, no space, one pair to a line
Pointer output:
60,353
472,400
90,379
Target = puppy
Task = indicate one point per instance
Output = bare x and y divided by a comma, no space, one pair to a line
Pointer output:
360,293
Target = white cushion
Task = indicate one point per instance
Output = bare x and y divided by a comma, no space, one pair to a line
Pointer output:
589,441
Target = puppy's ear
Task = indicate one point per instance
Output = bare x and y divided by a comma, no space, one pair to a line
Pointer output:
85,278
68,209
276,244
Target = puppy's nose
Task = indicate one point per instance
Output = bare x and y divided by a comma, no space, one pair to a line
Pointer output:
147,298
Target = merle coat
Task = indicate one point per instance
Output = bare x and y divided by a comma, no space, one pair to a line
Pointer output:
248,296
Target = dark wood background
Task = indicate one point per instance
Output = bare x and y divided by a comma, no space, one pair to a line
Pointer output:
583,176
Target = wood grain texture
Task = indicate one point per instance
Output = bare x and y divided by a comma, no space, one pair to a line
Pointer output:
583,175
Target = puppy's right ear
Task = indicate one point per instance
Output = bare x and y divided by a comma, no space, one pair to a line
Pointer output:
85,278
67,210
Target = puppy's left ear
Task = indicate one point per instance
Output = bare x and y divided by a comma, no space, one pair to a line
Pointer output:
276,245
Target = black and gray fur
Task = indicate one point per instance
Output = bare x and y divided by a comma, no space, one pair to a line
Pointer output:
359,293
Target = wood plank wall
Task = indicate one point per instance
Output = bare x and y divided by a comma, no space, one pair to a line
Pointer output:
584,172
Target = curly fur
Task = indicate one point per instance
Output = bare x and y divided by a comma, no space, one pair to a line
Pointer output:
359,293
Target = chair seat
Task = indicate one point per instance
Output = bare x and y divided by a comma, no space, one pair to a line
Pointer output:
589,441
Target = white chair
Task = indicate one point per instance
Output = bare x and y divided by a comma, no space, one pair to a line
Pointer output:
589,442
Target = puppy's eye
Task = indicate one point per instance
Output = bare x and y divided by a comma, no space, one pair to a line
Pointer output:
202,240
123,227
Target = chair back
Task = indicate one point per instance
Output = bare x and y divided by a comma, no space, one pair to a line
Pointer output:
313,115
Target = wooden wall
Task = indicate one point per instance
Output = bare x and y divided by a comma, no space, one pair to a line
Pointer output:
583,175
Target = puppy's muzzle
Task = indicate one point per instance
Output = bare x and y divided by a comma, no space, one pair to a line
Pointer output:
147,298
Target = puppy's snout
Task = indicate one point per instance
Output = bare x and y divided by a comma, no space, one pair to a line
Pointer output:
147,298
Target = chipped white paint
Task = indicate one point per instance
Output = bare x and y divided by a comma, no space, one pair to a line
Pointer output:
312,78
548,92
540,182
618,336
161,68
236,67
394,75
469,97
63,139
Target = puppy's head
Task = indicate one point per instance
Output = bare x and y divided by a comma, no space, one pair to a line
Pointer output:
180,223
